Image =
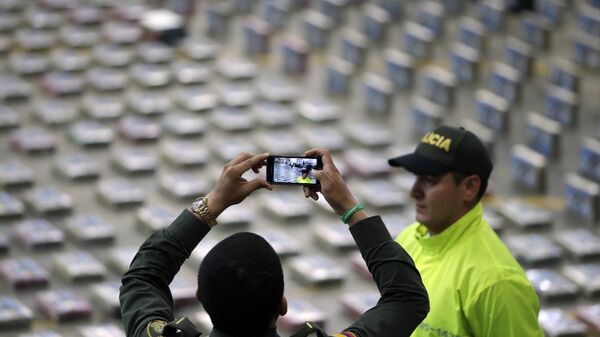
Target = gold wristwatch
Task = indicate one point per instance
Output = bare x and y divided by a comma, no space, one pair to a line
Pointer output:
200,208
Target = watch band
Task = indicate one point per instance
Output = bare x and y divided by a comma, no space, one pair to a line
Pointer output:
200,208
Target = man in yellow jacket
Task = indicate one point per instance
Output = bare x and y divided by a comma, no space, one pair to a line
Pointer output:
304,178
476,288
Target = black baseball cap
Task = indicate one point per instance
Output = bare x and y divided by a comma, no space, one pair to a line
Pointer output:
447,149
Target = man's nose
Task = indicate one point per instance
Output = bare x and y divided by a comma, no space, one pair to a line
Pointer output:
416,191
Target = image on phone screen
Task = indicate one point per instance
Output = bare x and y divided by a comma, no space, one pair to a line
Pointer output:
293,170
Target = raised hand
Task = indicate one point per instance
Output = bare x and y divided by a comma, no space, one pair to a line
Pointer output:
332,187
231,188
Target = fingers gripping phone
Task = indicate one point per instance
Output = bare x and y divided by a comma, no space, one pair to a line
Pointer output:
293,170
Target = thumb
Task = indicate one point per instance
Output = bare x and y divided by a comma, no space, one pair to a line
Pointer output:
317,173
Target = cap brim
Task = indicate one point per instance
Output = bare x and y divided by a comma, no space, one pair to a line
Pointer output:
419,164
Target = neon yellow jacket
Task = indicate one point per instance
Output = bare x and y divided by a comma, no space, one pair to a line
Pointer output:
476,288
306,180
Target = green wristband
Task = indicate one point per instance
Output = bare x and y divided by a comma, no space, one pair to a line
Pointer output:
349,213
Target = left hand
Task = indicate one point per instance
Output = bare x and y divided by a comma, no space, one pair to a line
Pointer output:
231,188
332,187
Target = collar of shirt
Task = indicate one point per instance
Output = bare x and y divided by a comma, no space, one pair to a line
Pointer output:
436,244
269,333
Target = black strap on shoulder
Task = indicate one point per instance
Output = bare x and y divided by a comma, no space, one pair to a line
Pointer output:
182,327
309,328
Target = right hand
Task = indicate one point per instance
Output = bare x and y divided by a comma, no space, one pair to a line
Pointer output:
332,187
231,188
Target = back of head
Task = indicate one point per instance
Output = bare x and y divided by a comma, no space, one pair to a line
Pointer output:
241,284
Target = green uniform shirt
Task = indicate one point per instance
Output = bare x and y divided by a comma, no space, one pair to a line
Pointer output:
147,305
476,288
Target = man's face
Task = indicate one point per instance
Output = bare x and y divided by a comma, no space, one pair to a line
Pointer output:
438,201
304,174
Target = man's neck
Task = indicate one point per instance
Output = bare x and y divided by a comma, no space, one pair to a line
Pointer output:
435,230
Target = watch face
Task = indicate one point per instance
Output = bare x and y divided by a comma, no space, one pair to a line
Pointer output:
197,204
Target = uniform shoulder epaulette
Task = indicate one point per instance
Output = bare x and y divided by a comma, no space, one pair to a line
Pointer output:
182,327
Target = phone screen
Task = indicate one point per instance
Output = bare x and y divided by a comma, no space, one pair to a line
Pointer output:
293,170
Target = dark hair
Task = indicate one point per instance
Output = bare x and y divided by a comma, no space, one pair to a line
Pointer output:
460,176
240,282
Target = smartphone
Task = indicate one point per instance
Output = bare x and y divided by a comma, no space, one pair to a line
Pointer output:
293,170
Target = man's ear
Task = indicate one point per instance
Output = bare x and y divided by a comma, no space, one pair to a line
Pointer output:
471,185
283,306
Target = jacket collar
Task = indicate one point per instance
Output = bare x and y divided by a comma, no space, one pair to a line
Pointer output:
439,243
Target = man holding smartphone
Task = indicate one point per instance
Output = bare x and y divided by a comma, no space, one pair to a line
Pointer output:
240,281
476,286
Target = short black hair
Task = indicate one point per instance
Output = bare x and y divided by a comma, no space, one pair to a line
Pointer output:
460,176
240,282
